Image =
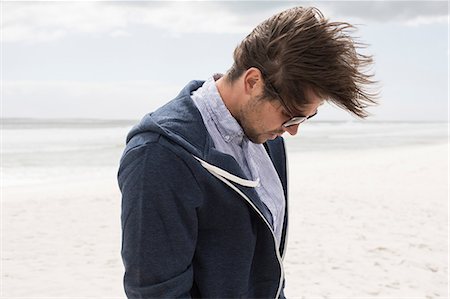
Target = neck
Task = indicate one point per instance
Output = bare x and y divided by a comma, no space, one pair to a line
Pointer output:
230,94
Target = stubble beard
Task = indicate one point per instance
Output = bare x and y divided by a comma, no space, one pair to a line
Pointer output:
249,125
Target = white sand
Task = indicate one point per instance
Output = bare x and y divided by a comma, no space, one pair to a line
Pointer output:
369,224
63,240
363,224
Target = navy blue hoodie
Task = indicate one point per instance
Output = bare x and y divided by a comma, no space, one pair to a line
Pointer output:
193,227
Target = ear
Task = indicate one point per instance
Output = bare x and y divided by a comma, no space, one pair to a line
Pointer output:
253,81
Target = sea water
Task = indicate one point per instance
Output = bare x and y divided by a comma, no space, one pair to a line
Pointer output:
360,135
45,151
38,151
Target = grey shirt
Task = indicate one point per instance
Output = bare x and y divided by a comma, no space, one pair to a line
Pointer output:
229,138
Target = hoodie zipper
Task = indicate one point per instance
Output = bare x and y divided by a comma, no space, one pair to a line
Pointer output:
226,177
286,235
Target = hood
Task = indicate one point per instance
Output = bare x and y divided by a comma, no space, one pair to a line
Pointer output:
179,121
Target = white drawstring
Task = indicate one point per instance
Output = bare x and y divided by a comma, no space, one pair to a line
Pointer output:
220,172
226,177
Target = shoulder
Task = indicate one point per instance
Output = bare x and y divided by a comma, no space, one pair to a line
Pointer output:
152,149
158,167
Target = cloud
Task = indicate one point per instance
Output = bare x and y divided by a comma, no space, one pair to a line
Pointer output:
66,99
405,12
46,21
423,20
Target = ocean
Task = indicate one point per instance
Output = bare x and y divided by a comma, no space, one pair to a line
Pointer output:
47,150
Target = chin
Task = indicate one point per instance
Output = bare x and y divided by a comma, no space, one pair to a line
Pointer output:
274,136
260,139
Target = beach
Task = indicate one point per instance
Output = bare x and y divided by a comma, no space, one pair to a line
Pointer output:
369,224
368,208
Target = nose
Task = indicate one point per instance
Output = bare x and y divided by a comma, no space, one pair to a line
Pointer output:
292,129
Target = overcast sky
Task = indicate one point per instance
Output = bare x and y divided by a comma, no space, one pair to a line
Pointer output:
123,59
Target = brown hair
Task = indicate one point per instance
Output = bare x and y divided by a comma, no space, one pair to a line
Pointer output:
299,49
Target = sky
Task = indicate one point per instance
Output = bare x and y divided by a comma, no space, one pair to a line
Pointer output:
121,60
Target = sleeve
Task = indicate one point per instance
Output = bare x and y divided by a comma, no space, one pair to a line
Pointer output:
159,223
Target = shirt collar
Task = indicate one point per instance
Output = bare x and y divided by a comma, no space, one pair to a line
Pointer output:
226,124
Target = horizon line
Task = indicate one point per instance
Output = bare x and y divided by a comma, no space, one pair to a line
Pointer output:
91,119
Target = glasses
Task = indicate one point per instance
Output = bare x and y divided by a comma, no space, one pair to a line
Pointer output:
295,120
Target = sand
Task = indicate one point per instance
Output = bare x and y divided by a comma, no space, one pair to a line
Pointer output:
367,223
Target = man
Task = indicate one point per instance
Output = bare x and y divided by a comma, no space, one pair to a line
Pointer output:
203,178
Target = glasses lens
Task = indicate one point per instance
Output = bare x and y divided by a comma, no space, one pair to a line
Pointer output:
312,115
294,121
297,120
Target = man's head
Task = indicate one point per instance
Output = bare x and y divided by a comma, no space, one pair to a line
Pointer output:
300,59
262,118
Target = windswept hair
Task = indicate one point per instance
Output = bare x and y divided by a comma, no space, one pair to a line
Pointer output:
299,49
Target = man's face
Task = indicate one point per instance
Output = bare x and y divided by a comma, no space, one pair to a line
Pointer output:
262,119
